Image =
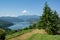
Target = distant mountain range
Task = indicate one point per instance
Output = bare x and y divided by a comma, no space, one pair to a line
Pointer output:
29,18
23,18
11,19
5,22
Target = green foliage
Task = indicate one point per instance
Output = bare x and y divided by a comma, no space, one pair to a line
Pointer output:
58,25
2,34
32,26
48,20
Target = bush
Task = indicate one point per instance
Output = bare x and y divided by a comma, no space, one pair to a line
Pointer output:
2,34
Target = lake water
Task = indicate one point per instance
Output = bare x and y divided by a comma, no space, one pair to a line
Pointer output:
19,25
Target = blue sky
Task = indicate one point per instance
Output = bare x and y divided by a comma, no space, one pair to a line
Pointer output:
26,7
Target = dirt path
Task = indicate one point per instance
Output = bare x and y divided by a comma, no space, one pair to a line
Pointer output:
27,35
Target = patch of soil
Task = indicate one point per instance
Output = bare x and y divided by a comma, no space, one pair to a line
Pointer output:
27,35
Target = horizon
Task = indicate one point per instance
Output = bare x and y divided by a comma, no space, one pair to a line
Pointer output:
19,15
15,8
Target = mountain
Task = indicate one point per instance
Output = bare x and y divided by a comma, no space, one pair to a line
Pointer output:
11,19
5,24
23,18
29,18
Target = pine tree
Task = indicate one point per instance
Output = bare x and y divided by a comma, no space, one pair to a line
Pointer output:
48,20
45,18
54,22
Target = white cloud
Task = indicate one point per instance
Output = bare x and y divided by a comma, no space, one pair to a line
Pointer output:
24,11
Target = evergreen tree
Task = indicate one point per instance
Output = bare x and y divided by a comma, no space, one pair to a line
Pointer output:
54,22
48,20
45,18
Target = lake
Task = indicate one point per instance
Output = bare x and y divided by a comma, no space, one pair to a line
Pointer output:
19,25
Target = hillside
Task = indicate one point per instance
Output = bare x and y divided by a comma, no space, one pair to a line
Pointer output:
34,34
28,34
44,37
11,19
5,24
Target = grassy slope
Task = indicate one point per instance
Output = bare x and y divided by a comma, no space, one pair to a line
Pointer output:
29,34
44,37
35,36
17,34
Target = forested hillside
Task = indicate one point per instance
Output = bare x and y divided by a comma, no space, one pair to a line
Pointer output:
5,24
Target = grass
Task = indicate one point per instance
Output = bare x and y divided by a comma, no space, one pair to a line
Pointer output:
16,34
44,37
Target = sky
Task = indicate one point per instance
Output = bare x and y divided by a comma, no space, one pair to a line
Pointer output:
16,8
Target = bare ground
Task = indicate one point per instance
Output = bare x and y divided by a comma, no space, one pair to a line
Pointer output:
27,35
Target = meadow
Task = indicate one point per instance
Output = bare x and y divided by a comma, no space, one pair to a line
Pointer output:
44,37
